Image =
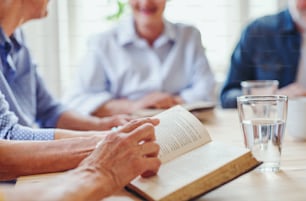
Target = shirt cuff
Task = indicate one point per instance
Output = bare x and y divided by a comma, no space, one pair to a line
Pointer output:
229,99
26,133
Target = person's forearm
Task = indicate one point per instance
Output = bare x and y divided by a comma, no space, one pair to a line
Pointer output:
229,98
75,185
75,121
93,184
28,158
63,133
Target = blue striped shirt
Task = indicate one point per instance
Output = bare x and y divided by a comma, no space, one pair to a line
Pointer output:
24,90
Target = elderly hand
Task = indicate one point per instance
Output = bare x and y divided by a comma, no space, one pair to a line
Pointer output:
125,154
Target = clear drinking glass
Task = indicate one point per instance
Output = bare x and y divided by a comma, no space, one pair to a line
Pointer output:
259,87
263,120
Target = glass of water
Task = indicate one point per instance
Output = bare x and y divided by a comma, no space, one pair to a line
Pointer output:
263,120
259,87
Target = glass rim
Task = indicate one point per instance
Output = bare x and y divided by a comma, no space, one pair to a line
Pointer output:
248,83
244,98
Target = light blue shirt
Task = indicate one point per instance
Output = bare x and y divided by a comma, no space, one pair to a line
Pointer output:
22,87
120,64
11,130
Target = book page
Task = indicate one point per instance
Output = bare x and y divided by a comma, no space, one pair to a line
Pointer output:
179,132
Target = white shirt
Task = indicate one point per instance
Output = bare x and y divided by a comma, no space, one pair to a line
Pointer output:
120,64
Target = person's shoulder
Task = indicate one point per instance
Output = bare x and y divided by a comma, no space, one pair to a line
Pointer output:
101,38
267,24
184,27
186,30
270,21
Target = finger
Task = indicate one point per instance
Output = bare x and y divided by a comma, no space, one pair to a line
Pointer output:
143,133
148,173
138,122
151,167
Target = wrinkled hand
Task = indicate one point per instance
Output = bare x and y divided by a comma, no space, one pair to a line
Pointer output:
159,100
292,90
125,154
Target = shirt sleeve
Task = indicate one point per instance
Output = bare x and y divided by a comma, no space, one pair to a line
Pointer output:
48,109
25,133
11,130
91,86
239,69
202,80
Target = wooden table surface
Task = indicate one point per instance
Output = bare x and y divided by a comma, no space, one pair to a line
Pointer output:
289,184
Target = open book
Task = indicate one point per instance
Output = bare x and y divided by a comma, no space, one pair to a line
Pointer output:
192,164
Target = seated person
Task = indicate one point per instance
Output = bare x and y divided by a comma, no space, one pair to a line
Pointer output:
116,160
270,48
20,83
25,101
144,62
19,158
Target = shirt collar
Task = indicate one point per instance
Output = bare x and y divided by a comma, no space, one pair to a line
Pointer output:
126,32
17,39
8,46
4,40
12,42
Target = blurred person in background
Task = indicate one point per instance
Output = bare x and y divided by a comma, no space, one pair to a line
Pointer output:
144,62
23,88
270,48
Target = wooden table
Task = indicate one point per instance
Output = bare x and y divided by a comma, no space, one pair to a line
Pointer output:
289,184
